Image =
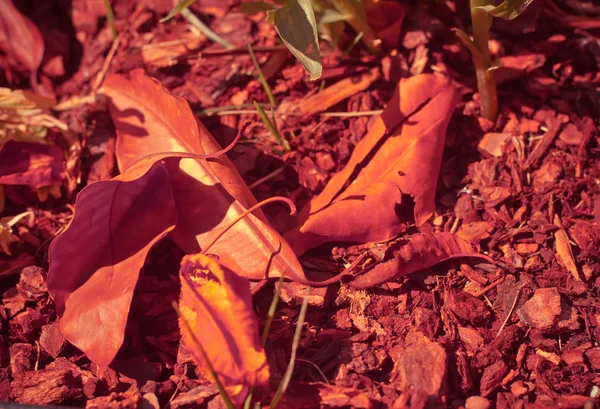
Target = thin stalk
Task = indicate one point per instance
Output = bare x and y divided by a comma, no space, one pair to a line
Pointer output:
261,77
271,127
110,18
212,371
246,213
271,314
290,369
486,83
204,29
265,334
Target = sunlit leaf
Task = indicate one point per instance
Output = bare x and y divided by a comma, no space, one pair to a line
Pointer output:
296,24
508,9
396,165
217,304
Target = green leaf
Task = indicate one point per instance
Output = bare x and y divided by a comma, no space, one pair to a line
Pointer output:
254,7
183,4
508,9
295,22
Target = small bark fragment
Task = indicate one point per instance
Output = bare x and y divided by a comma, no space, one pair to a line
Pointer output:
542,310
338,92
46,387
563,249
492,377
422,367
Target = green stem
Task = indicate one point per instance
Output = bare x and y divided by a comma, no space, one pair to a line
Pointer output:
486,84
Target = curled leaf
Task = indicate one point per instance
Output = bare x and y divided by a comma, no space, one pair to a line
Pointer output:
149,120
217,304
20,38
95,263
415,253
397,160
296,24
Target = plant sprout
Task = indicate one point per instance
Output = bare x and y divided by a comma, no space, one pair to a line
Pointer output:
482,13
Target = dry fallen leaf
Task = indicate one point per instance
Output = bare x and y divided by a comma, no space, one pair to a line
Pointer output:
95,263
216,304
20,38
149,120
399,157
415,253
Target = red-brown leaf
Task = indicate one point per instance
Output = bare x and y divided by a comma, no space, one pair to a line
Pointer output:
416,253
209,194
400,155
19,37
31,164
216,304
95,263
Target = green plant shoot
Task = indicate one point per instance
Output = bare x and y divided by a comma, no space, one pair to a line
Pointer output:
482,13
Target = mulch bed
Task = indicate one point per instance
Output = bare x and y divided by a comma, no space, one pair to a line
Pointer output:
521,334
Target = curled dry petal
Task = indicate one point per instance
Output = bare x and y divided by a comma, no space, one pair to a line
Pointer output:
400,156
95,263
209,194
216,303
416,253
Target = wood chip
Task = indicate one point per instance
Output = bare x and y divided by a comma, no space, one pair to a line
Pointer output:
337,92
563,249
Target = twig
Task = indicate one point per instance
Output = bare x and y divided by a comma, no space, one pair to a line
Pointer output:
267,177
106,65
512,308
204,29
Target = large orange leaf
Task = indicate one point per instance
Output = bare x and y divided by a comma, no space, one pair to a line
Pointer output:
400,155
209,194
95,263
415,253
216,304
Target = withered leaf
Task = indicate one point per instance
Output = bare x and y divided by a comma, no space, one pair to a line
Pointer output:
216,301
95,263
209,194
20,38
415,253
400,155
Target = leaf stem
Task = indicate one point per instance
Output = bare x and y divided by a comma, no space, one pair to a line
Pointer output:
486,83
246,213
290,369
261,77
204,29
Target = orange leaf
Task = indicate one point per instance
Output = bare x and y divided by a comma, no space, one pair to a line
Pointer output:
95,263
415,253
31,164
209,194
20,38
400,155
216,303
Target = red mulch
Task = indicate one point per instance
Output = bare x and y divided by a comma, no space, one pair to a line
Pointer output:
523,334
